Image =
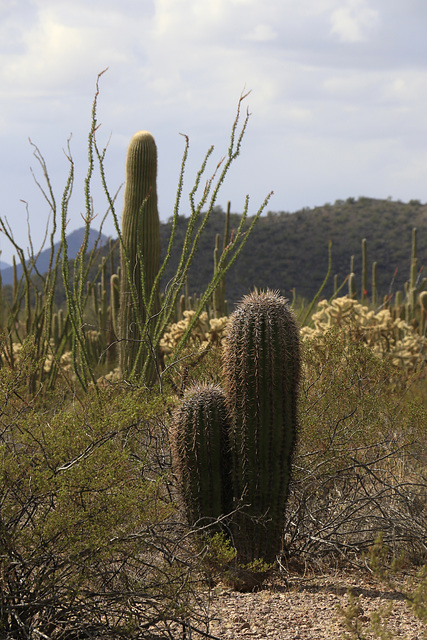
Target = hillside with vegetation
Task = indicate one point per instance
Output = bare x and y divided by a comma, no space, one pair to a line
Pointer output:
290,250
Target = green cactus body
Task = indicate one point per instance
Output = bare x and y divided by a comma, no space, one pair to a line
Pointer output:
374,284
364,294
141,235
352,291
200,453
262,369
423,309
95,300
335,285
181,307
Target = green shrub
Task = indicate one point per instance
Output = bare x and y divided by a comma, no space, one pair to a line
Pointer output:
88,544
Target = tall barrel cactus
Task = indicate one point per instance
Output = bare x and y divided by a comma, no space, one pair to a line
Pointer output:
199,443
262,369
141,242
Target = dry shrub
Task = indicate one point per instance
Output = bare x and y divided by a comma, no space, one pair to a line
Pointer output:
360,465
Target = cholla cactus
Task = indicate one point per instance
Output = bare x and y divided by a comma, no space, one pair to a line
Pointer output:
387,335
205,332
65,362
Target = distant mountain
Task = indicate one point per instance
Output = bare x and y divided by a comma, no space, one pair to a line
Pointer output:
74,240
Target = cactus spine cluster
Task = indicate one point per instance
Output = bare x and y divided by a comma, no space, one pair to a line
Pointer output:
261,371
140,243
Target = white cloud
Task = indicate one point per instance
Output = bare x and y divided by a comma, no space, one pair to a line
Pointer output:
354,22
57,54
338,90
261,33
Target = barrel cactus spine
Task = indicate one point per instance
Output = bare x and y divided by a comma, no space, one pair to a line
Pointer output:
200,453
140,239
261,370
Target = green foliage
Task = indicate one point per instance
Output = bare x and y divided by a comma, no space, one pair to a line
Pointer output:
218,555
90,330
193,233
89,544
381,561
220,562
86,540
417,598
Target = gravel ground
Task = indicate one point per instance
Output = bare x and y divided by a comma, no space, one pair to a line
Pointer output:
309,610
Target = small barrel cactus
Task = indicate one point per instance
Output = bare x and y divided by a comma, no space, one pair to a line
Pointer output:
262,370
200,453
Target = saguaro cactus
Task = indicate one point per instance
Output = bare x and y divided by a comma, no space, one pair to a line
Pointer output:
262,369
200,452
141,239
364,293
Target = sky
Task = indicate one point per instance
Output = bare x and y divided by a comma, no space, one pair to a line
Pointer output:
338,100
